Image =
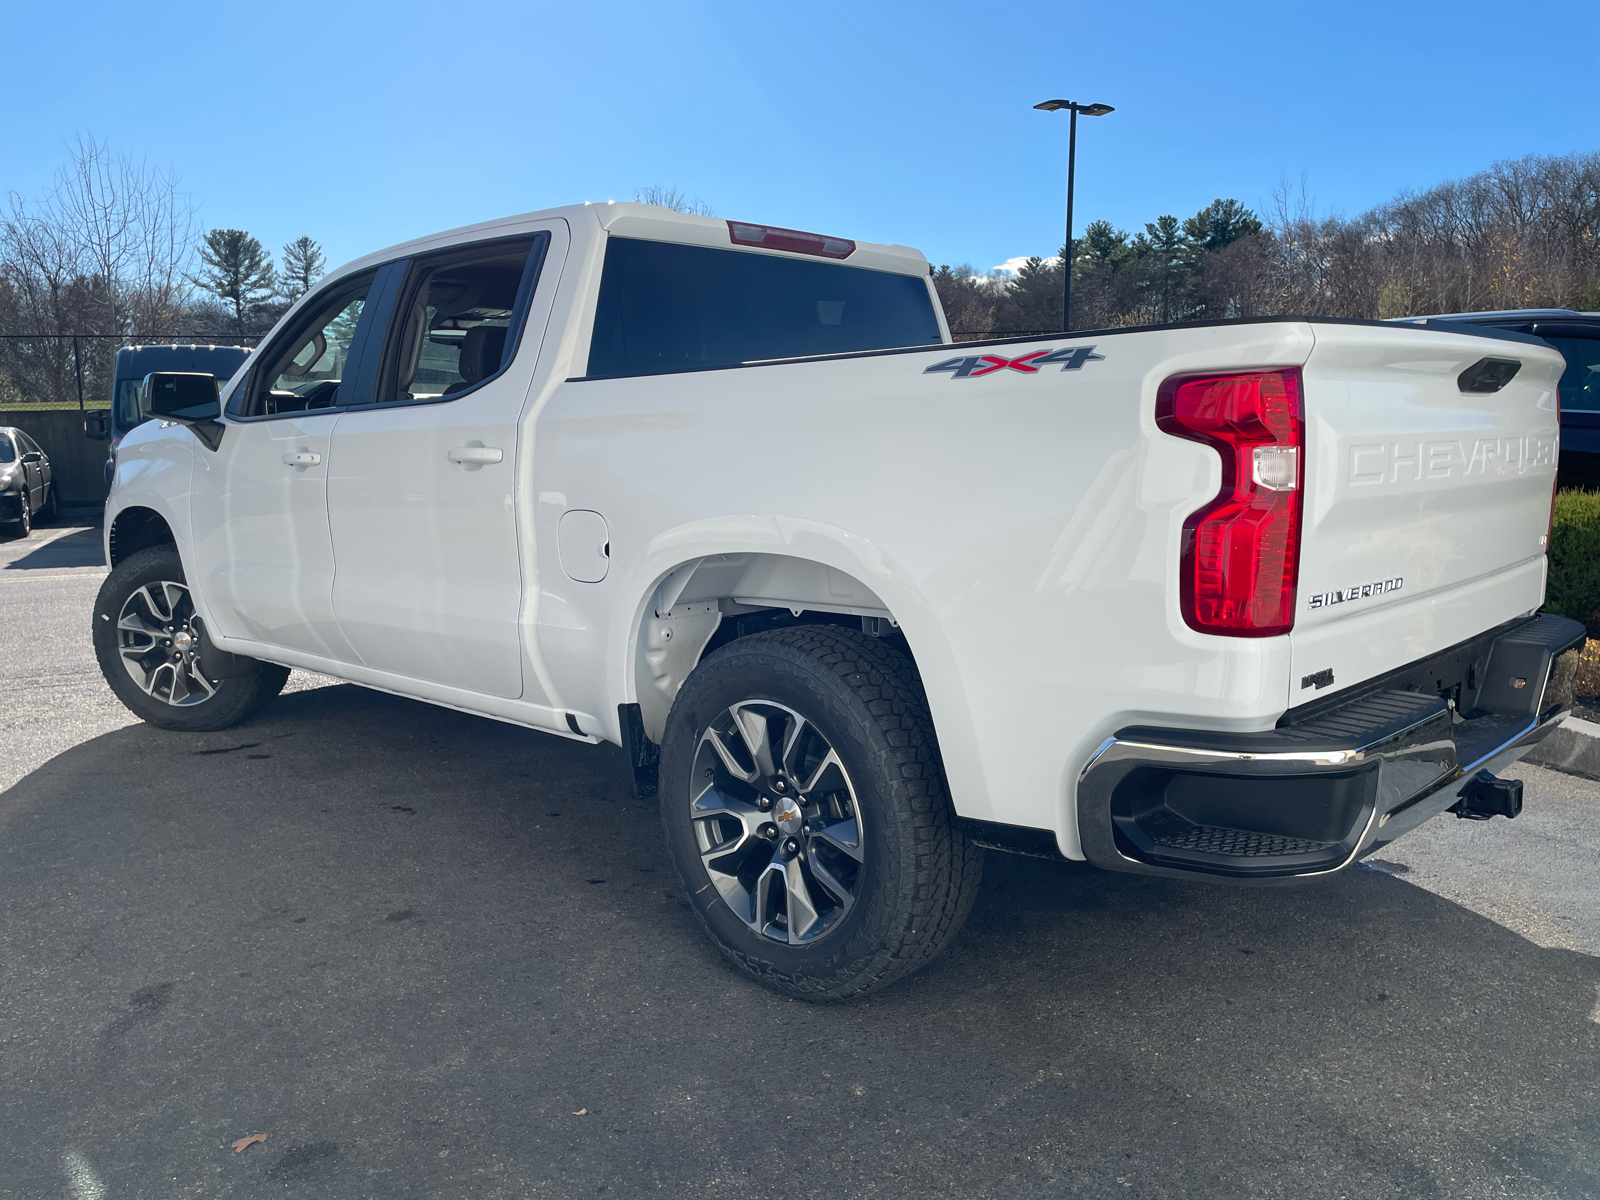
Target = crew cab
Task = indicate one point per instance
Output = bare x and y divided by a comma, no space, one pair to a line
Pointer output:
1235,601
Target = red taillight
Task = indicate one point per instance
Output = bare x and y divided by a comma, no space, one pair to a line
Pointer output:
769,237
1241,552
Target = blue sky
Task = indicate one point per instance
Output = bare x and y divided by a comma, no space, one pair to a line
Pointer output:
365,124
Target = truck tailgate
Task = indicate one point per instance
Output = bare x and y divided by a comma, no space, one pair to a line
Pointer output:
1426,505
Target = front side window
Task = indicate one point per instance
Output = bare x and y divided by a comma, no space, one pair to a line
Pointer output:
456,319
1580,382
302,370
8,452
665,307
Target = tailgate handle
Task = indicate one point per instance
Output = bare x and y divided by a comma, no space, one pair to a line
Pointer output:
1488,374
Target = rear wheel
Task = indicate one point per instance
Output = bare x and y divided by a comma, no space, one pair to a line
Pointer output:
147,638
806,812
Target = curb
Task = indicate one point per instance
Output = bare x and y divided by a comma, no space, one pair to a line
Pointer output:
1573,748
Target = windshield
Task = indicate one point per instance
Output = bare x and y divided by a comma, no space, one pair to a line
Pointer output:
8,452
1580,383
128,403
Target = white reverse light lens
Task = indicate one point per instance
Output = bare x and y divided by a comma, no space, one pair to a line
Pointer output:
1277,468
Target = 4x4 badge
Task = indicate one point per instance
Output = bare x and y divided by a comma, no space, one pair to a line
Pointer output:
973,365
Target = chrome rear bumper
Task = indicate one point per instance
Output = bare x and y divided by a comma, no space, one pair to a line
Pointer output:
1335,781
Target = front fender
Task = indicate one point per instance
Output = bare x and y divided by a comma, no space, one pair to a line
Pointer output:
154,470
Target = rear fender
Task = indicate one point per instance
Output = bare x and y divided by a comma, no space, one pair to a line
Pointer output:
690,577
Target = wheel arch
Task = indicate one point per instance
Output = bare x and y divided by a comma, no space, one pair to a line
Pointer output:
697,586
136,528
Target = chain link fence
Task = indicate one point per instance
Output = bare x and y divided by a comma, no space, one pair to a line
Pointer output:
41,372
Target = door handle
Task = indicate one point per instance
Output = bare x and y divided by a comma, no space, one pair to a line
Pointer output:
302,458
476,454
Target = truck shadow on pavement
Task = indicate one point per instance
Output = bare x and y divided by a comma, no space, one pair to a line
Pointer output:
429,954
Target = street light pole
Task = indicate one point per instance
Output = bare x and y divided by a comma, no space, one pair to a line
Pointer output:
1088,110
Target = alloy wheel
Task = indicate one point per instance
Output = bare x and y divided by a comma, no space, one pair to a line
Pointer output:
158,638
777,822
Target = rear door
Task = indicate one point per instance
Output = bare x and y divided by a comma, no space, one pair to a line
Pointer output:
1427,501
420,498
34,469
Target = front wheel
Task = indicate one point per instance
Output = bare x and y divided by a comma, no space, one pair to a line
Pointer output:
148,640
806,812
23,525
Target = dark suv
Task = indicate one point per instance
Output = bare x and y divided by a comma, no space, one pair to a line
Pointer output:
132,365
1577,336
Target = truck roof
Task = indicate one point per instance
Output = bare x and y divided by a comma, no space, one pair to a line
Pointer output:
650,222
175,356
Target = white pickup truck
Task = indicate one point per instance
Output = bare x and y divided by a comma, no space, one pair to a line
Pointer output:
1242,600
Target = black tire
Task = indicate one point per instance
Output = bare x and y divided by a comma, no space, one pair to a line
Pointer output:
23,525
232,699
49,511
918,874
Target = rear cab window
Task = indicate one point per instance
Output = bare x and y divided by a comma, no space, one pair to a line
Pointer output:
665,307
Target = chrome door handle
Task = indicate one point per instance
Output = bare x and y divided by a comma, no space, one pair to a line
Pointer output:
302,458
476,454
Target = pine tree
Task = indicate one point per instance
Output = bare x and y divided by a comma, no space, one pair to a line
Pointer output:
238,272
303,265
1219,224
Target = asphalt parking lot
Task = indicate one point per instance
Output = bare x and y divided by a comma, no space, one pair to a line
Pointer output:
431,955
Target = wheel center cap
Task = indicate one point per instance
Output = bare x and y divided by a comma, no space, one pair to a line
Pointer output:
183,639
787,816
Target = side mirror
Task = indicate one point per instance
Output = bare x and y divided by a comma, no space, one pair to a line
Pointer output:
187,397
97,425
32,456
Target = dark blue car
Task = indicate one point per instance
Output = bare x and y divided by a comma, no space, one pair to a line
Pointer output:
1577,336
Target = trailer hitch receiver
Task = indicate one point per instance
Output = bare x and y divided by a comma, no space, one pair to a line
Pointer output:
1487,797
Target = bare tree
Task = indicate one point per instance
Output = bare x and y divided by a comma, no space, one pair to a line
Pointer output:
673,198
102,251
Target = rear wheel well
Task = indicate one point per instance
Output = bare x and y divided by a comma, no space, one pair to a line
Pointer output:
137,529
707,603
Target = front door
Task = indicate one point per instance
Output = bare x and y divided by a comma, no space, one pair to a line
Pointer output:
263,554
420,496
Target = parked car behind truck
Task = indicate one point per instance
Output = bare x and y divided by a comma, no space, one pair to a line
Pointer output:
1237,601
132,364
1577,336
27,483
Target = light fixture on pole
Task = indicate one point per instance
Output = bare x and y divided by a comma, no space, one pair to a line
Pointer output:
1088,110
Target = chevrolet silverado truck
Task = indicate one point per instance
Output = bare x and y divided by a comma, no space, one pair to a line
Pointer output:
1243,600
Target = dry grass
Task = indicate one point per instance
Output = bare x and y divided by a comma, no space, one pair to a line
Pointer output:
1588,680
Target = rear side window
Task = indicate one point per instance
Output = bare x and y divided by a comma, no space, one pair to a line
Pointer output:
464,310
665,307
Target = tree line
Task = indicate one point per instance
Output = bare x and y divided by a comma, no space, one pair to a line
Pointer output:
1523,234
113,250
